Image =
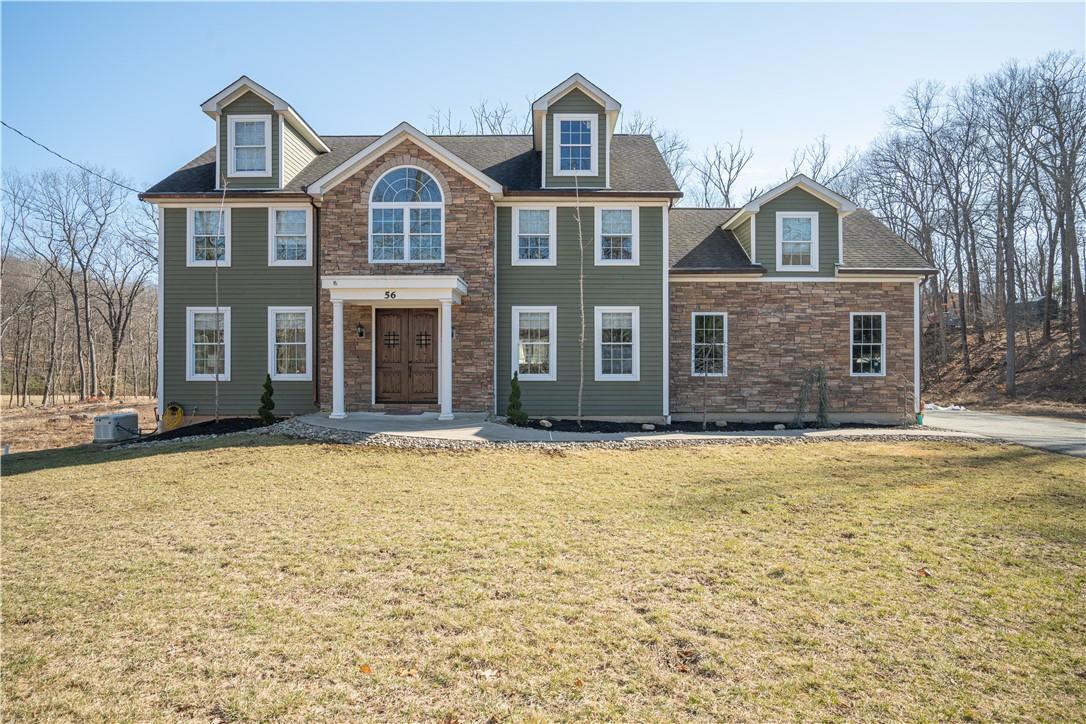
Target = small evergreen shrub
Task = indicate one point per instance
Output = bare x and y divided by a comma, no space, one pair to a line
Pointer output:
267,404
514,413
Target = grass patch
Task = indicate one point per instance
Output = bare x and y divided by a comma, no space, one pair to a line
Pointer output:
271,579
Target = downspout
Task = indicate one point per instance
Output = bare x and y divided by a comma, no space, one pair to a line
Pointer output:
316,301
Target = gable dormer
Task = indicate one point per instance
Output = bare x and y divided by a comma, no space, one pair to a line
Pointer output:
261,142
572,127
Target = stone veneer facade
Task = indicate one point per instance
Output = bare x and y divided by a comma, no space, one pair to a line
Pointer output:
469,253
777,330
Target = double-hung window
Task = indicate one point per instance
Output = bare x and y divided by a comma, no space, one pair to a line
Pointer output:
407,215
207,341
575,149
618,344
797,241
208,238
290,351
709,344
290,236
534,237
617,236
535,343
249,145
868,344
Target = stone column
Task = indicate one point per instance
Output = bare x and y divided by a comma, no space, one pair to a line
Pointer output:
337,360
445,371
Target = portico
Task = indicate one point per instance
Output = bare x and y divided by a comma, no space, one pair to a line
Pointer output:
403,347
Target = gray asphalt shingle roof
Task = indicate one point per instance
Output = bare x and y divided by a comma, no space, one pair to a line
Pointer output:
636,164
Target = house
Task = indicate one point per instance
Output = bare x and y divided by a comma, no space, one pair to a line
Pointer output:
414,271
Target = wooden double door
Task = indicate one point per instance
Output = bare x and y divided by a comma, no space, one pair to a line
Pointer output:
406,355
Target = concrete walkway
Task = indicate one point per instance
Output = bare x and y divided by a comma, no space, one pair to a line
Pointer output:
1047,433
476,427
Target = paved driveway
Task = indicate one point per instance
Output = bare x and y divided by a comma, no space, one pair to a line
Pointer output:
1046,433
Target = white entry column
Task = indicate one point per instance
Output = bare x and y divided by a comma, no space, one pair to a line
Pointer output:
337,360
445,363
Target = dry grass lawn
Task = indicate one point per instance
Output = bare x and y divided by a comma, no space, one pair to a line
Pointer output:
71,423
279,580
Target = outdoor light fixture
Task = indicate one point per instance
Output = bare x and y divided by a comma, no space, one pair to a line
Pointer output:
361,331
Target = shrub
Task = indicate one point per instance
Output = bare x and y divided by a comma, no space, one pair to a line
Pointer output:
514,413
267,404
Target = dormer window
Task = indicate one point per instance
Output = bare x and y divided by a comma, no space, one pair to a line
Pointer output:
575,144
797,241
249,138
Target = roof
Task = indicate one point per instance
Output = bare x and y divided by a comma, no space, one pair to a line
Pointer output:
699,243
636,165
801,181
214,105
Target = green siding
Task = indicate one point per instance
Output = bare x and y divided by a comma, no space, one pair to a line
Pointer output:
248,287
297,153
797,200
577,102
640,286
248,104
742,233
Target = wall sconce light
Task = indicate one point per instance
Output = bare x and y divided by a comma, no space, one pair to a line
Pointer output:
452,331
361,331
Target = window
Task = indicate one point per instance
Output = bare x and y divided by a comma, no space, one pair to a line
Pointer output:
406,218
249,142
618,343
535,343
709,344
207,333
533,237
289,343
575,149
289,237
617,237
868,346
208,237
797,241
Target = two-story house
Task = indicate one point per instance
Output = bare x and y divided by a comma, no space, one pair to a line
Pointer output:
415,271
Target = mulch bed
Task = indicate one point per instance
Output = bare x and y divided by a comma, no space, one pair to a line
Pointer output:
609,427
223,426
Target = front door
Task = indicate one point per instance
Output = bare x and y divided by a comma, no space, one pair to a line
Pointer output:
406,356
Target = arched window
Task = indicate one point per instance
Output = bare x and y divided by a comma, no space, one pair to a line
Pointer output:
407,215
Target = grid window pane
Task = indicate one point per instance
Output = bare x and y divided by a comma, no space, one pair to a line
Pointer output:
249,133
795,253
616,234
249,159
290,343
795,229
407,185
710,349
867,342
575,145
533,234
533,343
425,234
388,234
290,236
208,343
616,343
208,235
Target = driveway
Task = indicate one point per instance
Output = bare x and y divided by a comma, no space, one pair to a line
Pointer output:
1046,433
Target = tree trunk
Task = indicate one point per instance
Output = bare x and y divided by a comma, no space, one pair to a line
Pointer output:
1009,313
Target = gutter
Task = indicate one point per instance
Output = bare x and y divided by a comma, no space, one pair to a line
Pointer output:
242,195
751,270
585,193
922,271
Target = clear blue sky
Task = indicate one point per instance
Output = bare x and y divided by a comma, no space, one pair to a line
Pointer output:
119,85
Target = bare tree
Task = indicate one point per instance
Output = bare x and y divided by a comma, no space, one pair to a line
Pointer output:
717,172
815,160
673,146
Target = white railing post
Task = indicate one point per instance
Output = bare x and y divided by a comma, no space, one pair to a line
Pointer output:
445,381
337,360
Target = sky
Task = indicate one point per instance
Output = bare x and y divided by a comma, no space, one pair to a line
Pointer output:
119,85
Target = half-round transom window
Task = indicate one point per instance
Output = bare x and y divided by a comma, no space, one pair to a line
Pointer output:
406,217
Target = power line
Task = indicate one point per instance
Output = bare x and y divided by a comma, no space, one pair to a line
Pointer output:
65,158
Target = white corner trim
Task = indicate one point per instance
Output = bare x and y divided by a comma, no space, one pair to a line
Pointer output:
852,316
552,239
813,216
284,377
597,325
594,150
635,222
190,361
272,260
190,227
753,238
840,239
666,211
160,362
232,121
552,347
693,349
916,346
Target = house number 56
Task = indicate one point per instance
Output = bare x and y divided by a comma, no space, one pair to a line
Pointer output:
390,295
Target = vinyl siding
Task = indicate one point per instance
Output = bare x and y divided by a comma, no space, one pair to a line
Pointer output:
577,102
797,200
297,153
640,286
249,104
742,233
248,287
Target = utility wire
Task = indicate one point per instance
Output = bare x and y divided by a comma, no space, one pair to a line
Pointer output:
65,158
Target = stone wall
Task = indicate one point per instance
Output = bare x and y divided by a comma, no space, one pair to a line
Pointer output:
469,253
775,332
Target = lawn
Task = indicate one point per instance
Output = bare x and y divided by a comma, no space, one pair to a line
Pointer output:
274,579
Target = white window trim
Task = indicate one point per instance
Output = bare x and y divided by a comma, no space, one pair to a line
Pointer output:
272,260
635,215
813,216
308,374
190,244
231,121
190,357
598,313
693,360
556,154
552,212
552,352
851,317
406,206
